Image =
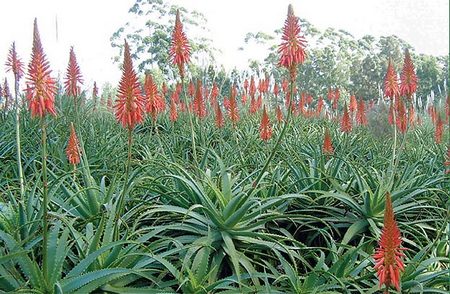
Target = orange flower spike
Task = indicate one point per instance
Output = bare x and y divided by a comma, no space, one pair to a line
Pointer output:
219,116
173,116
41,87
408,77
153,103
402,120
439,130
252,90
73,76
279,114
129,106
361,118
276,90
199,102
346,124
14,63
327,143
73,148
391,88
292,47
388,256
320,104
265,130
353,104
180,50
233,110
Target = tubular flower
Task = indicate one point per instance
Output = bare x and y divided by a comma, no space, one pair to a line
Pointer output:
41,87
292,47
233,110
319,105
361,118
252,90
199,102
73,148
336,96
327,143
265,130
391,89
219,116
6,93
346,124
13,63
408,78
129,106
276,90
73,76
402,120
173,115
279,114
180,49
214,94
153,103
353,104
246,85
439,130
388,256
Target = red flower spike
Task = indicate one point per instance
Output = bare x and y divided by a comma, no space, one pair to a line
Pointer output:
13,63
219,116
246,85
320,104
252,90
346,124
391,88
73,148
199,103
180,50
129,106
284,86
402,121
439,130
41,87
233,110
191,89
6,93
173,116
388,256
279,114
361,118
265,130
353,104
73,76
292,47
153,101
276,90
408,78
327,143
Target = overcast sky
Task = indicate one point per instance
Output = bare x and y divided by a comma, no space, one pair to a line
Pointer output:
88,25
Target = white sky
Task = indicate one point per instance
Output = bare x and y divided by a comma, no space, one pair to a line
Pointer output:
88,25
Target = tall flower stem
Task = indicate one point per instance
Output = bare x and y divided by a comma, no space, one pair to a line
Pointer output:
45,199
18,145
394,147
191,124
121,202
277,143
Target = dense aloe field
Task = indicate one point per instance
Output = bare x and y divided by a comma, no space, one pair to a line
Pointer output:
189,186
